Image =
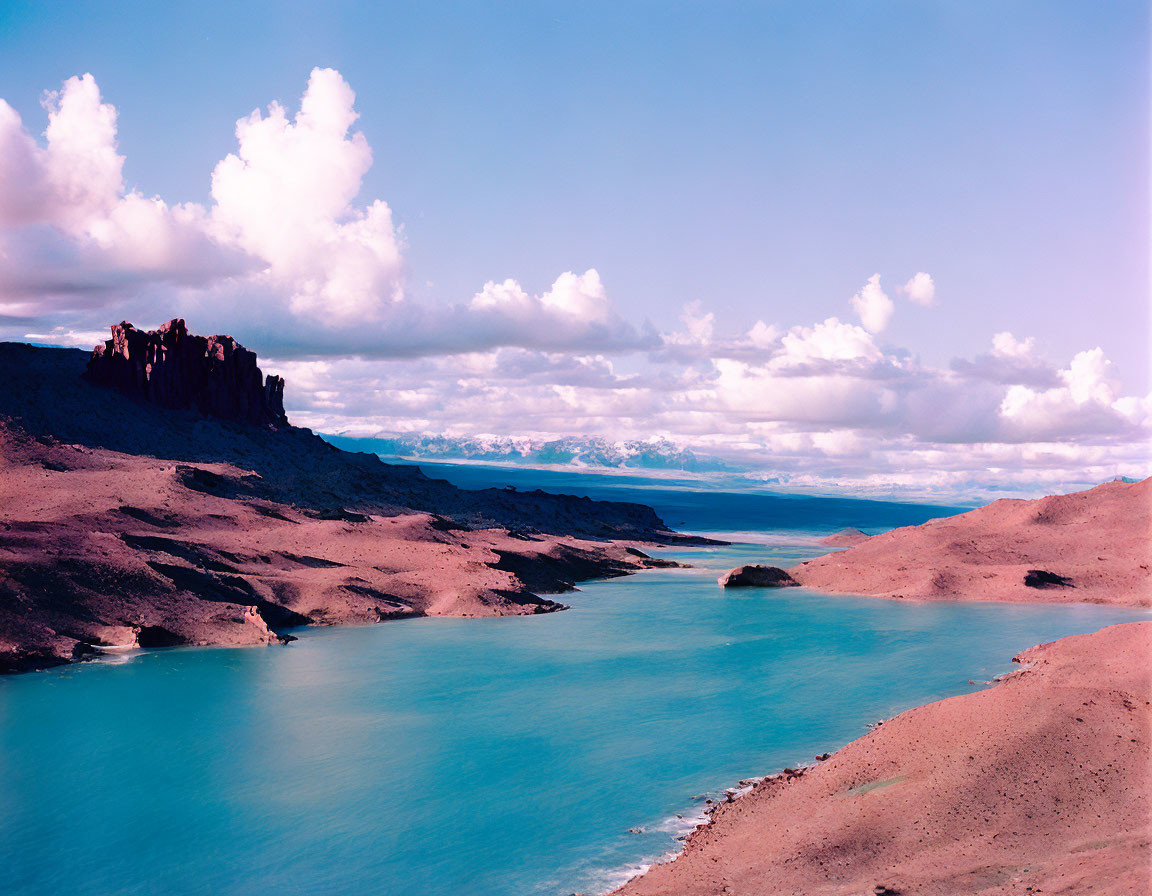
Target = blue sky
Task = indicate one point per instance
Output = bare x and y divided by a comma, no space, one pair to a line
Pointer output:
763,159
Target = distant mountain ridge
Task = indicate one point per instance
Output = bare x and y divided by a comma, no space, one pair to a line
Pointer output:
642,454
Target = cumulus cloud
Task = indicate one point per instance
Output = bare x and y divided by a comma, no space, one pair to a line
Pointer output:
750,392
500,314
574,313
286,196
1085,402
913,428
76,178
763,336
921,289
873,305
1010,361
70,236
812,404
288,257
1087,378
284,254
573,297
827,341
699,326
820,394
282,210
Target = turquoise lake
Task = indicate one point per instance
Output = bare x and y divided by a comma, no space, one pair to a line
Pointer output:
494,756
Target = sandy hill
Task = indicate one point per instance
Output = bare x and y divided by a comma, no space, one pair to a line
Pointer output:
1041,784
1093,546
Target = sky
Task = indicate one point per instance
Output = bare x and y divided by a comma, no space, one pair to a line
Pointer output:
902,243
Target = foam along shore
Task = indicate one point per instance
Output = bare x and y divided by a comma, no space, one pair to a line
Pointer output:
1093,546
1040,784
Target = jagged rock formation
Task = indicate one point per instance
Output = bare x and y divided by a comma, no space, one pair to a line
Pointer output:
179,370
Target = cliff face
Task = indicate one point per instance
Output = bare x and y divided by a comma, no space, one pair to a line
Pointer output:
176,369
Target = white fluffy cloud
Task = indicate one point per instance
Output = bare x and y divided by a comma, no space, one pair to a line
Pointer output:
287,196
284,253
282,214
288,257
865,419
573,297
921,289
873,305
827,341
827,386
76,178
1005,345
763,335
70,235
699,327
1011,361
812,406
1085,401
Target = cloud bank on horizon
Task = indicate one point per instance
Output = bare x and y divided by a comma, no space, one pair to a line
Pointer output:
286,259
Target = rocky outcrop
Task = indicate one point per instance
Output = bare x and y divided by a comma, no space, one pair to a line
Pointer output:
756,577
1042,578
46,399
176,369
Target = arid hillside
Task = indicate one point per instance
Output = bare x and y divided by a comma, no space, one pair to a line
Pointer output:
125,521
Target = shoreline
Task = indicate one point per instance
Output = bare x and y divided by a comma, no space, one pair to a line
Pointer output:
186,515
152,562
754,821
117,654
711,800
1085,548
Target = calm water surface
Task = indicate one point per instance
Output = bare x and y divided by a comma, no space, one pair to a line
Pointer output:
501,756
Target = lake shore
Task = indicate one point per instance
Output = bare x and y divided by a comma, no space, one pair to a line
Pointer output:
125,522
107,550
1039,784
